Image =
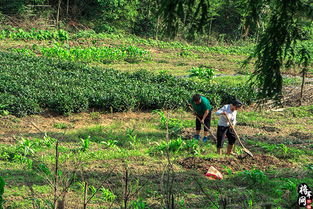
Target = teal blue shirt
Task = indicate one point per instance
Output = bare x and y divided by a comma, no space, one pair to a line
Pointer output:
202,107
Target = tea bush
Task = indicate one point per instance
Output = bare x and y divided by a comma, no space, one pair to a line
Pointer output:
30,85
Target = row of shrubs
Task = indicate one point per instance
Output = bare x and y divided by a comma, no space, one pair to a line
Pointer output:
30,85
131,54
33,34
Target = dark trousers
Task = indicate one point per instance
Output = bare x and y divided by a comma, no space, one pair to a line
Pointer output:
207,122
221,132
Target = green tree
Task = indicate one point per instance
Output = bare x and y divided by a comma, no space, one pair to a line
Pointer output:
147,20
286,27
277,45
194,13
119,13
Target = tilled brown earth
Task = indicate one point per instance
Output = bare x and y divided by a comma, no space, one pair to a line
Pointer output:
188,133
240,163
292,95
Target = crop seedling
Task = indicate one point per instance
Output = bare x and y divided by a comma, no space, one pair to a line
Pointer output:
228,170
48,141
23,160
202,73
131,54
176,146
186,53
107,195
174,125
27,146
85,144
284,149
138,204
255,176
250,203
60,125
133,139
269,147
110,143
42,168
192,146
20,34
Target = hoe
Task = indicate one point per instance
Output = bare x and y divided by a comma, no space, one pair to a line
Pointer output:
231,125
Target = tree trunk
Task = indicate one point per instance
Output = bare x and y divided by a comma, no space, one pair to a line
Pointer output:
126,193
56,175
210,26
157,28
246,31
58,14
67,7
85,195
304,70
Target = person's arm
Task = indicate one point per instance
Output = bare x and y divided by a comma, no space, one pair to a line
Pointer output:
209,106
190,106
205,115
221,111
234,118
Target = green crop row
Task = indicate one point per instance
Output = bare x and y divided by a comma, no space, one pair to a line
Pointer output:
131,54
30,85
20,34
131,39
61,35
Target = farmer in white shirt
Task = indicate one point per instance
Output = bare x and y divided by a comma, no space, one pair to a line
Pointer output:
223,128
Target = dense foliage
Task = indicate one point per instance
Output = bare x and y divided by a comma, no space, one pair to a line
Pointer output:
30,85
285,25
288,26
147,18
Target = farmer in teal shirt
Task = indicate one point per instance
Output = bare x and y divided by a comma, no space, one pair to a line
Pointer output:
202,108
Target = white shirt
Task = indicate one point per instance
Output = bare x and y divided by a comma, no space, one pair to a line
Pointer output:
231,115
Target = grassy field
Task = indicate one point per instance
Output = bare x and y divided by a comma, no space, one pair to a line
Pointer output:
99,149
129,158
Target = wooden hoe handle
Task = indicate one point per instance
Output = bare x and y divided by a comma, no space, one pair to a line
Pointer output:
237,136
203,123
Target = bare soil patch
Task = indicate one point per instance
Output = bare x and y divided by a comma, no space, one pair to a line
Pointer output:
11,126
293,95
240,163
271,129
188,133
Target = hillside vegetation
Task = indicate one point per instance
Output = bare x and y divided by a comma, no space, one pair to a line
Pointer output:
109,112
